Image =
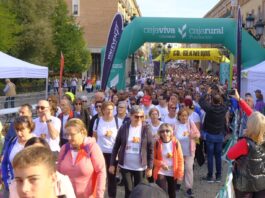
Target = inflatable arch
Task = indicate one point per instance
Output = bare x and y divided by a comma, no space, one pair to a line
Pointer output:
182,30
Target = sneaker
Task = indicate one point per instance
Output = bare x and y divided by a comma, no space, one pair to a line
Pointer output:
208,179
189,193
218,179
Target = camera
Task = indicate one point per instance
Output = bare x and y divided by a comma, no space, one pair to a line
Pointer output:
231,92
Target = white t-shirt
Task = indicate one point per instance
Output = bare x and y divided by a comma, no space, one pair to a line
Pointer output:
182,134
195,117
153,128
132,157
106,134
146,110
167,157
41,130
163,111
65,119
171,121
16,148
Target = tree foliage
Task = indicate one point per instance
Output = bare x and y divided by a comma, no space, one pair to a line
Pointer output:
68,38
8,29
46,30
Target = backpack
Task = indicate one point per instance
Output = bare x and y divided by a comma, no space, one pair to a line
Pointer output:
116,122
68,148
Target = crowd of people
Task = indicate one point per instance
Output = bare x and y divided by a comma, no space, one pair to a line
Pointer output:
152,132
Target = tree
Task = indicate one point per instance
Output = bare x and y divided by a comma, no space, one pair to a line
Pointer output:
69,39
9,29
35,41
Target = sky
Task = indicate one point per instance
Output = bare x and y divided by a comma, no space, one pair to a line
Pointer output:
176,8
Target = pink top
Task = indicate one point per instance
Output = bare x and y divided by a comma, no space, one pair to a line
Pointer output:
88,173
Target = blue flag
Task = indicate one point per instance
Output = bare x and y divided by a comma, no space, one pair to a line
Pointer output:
111,48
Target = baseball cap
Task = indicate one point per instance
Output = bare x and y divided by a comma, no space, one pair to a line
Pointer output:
146,100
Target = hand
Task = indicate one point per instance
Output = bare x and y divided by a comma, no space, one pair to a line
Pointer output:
209,91
148,172
112,170
165,167
236,96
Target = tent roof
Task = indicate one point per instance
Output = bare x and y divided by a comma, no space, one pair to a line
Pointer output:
256,68
11,67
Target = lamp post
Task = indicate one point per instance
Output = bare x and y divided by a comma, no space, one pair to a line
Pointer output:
258,27
163,51
133,73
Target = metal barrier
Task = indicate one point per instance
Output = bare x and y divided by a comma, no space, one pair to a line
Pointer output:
227,191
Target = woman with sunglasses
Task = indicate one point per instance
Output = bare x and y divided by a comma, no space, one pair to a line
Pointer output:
134,148
168,160
170,118
82,160
187,132
24,127
105,131
81,112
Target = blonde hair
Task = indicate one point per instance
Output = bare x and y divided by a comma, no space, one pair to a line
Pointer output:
106,104
256,127
77,123
167,126
34,156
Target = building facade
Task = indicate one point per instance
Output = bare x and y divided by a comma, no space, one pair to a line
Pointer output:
95,17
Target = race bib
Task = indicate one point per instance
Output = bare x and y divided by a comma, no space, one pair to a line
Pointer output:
133,148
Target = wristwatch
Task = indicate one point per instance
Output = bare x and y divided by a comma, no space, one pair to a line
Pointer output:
48,121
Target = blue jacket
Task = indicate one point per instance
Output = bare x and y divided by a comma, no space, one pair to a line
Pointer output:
7,169
10,134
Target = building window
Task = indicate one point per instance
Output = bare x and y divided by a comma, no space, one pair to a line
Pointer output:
75,7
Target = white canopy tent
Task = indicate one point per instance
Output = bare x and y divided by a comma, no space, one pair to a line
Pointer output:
253,78
11,67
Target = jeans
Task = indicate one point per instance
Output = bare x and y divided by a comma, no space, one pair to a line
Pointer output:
129,176
214,144
12,102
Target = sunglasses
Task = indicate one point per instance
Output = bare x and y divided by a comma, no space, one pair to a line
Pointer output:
165,131
84,101
121,107
138,117
78,103
98,106
41,107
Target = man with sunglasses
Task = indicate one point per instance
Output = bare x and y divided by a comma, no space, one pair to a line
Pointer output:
47,126
98,105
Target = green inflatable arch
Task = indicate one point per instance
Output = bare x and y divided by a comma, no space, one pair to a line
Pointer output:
182,30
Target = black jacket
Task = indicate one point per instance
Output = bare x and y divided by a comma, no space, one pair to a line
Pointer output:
214,122
147,148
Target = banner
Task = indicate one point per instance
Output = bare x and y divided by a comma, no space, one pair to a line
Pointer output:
61,74
212,54
111,48
238,49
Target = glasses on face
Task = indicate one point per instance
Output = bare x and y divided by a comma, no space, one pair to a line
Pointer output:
67,135
165,131
121,107
173,108
41,107
84,101
98,106
49,100
78,103
138,117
